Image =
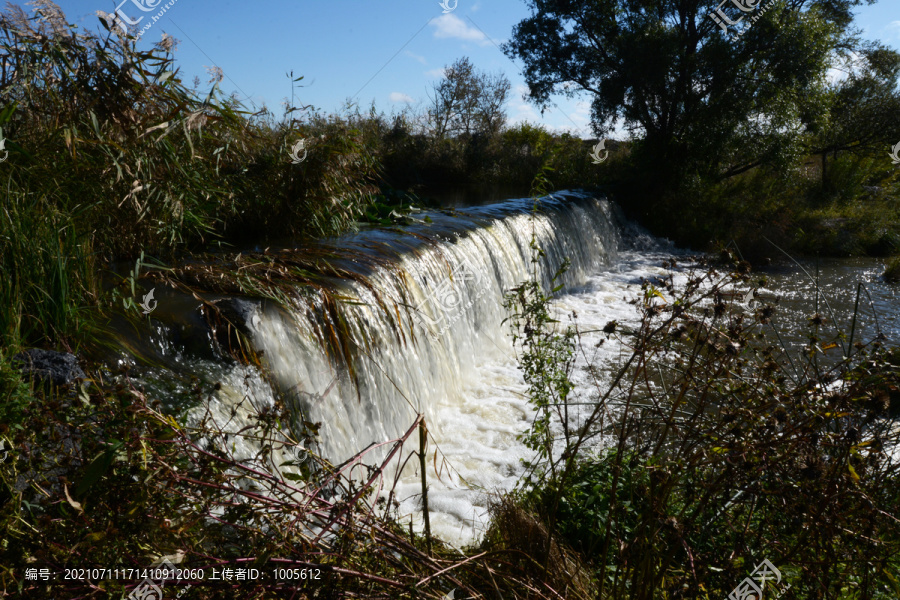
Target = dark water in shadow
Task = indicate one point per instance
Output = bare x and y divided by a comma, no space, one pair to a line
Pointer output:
463,196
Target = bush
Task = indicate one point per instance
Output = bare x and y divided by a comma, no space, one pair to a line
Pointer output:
15,396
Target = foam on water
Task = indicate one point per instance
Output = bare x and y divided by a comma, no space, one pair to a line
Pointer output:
478,434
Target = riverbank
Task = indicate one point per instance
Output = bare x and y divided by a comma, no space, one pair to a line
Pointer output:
764,212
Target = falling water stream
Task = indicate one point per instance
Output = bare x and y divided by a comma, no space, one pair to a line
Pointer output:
454,362
447,354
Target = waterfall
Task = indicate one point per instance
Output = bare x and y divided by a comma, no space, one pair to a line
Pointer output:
453,289
422,320
420,312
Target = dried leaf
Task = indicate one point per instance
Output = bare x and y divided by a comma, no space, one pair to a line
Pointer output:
76,505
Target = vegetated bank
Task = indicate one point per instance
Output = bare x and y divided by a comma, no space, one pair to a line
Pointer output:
740,131
711,446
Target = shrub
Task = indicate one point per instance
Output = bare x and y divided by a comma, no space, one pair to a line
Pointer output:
711,447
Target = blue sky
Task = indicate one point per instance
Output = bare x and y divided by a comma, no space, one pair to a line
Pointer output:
389,52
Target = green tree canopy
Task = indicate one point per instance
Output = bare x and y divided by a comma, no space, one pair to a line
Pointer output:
703,96
864,107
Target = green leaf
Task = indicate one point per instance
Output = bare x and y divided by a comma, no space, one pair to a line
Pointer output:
853,472
98,468
7,112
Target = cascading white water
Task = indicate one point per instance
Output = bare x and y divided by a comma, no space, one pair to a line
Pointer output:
449,357
455,289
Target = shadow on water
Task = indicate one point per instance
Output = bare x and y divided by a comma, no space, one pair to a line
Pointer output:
471,195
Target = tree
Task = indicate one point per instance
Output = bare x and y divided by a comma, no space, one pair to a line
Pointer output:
467,101
702,97
862,108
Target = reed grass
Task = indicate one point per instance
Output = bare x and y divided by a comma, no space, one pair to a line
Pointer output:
49,276
124,486
112,156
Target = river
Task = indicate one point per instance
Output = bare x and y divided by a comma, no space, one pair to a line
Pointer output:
453,360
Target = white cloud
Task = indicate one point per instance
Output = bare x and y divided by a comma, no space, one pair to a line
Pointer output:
581,117
520,109
421,59
842,67
894,26
397,97
452,27
436,73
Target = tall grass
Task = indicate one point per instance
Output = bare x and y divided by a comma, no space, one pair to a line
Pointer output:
48,271
124,485
93,121
112,156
